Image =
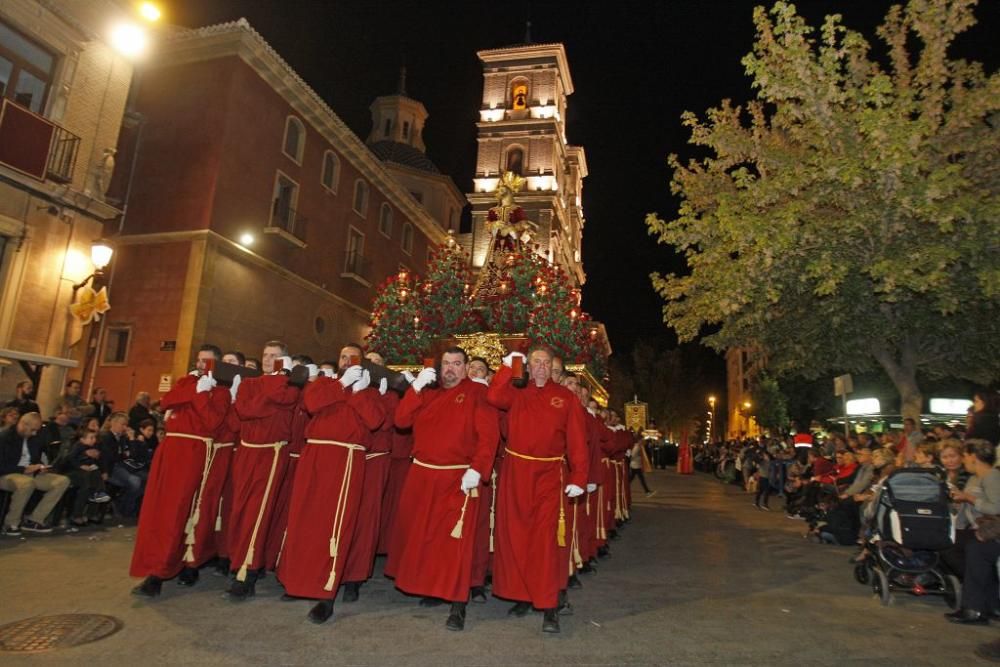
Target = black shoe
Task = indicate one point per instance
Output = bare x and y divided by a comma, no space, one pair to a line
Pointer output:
478,594
604,552
456,619
588,568
285,597
489,580
520,609
564,608
550,621
574,582
241,590
322,612
613,535
431,602
958,613
149,588
221,567
188,577
970,617
29,526
351,589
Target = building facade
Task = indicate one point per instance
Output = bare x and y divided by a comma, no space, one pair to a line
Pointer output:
742,364
522,129
64,88
255,213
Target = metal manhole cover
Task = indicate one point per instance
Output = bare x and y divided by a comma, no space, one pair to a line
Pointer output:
51,633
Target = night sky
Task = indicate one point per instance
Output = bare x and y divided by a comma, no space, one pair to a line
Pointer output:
636,65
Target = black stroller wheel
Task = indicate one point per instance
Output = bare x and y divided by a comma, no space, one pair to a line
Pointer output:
880,587
862,573
952,591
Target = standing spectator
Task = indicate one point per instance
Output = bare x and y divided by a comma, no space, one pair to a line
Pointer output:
8,417
140,411
985,423
100,406
23,470
980,497
908,441
71,397
635,467
23,395
114,447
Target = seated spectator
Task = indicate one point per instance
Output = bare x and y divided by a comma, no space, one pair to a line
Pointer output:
23,470
113,445
81,466
140,411
100,406
57,434
846,471
863,478
141,446
980,497
8,417
23,398
955,474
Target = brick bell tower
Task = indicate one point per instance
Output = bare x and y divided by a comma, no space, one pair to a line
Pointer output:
522,128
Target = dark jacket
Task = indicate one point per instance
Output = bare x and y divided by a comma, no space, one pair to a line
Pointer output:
11,444
137,414
985,426
111,449
100,410
23,405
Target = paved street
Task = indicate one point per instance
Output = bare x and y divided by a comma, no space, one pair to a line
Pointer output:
700,577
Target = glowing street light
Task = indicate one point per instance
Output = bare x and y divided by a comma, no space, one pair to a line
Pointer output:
246,239
150,12
100,254
129,39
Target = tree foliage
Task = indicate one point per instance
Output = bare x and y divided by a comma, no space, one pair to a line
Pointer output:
850,215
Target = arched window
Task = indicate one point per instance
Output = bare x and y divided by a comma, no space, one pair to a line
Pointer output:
408,239
360,198
331,171
519,95
385,220
515,160
406,130
295,139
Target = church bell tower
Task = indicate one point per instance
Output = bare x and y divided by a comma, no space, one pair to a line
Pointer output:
522,129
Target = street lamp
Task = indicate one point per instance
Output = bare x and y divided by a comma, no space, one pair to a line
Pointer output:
711,416
100,254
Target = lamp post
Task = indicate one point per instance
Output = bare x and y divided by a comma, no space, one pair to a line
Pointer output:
711,416
746,416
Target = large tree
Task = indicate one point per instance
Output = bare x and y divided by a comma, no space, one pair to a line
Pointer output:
850,216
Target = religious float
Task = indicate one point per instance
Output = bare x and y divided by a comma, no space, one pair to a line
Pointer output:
516,299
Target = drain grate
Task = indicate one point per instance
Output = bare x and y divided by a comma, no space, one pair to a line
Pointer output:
51,633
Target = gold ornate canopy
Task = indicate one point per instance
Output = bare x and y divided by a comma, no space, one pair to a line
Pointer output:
510,232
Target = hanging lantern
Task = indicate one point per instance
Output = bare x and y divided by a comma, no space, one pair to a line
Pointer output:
404,275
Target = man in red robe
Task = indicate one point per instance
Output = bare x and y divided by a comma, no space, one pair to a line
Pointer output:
479,371
547,431
265,405
197,407
361,558
327,491
591,541
455,434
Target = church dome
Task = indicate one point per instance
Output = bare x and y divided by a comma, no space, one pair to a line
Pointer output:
403,154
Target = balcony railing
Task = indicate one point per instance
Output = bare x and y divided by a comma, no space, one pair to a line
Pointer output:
286,221
34,145
357,265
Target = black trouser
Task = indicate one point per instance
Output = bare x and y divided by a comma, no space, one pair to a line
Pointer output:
979,590
637,472
763,491
85,482
954,557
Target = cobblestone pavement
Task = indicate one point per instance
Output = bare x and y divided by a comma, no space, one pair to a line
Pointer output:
699,577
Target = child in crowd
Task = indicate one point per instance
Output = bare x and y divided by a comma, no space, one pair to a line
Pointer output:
85,475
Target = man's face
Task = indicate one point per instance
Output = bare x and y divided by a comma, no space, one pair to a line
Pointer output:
100,395
143,400
907,427
26,389
375,358
847,457
453,369
27,426
571,383
203,356
540,367
557,370
73,389
864,456
345,357
231,359
477,369
267,357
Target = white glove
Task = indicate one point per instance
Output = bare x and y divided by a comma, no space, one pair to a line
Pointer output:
313,370
424,378
235,387
195,373
508,361
329,372
363,382
482,381
470,480
350,376
410,377
591,487
286,363
205,383
383,386
572,491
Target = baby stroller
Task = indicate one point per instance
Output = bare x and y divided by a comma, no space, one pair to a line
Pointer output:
912,525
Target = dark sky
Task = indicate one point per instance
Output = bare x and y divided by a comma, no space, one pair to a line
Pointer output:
636,65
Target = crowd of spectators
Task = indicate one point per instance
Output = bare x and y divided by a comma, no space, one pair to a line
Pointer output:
66,471
831,482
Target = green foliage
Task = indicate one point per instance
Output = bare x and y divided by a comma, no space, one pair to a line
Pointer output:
769,404
850,216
